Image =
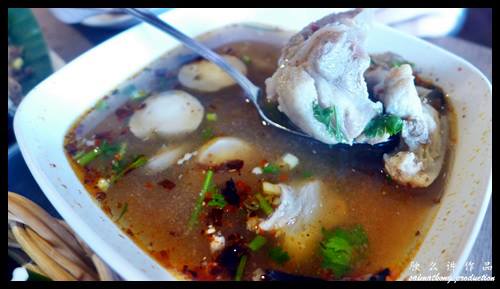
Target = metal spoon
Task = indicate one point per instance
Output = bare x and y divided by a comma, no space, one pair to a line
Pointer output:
252,91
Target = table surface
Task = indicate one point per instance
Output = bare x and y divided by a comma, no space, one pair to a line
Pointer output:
69,41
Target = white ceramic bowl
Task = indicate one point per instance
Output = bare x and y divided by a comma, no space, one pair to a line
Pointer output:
48,111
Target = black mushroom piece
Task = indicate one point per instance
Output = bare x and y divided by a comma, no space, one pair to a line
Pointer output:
230,193
275,275
380,276
230,257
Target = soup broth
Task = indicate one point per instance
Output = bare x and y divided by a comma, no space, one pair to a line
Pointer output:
154,209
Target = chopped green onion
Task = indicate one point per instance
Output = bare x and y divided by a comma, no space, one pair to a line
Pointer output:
78,155
384,123
246,59
212,116
103,184
138,162
278,255
217,201
89,156
264,204
342,248
207,133
271,169
101,105
257,243
241,268
124,210
199,203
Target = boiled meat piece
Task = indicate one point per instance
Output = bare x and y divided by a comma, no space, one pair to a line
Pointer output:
319,82
304,209
420,166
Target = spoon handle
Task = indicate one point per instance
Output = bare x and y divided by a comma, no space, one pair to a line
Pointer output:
148,17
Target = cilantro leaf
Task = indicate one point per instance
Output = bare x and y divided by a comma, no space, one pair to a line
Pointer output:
217,201
384,123
329,116
278,255
342,248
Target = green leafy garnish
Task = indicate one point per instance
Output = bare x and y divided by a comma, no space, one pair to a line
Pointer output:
271,169
384,123
278,255
241,268
207,183
124,210
342,248
217,201
118,162
264,204
138,162
257,243
207,133
330,118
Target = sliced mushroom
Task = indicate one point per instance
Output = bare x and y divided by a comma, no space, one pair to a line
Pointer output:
170,114
205,76
165,157
223,149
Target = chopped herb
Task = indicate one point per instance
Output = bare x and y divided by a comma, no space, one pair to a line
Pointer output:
138,162
217,201
124,210
241,268
199,203
212,116
264,204
106,149
384,123
257,243
278,255
101,105
271,169
342,248
246,59
207,133
329,116
78,154
85,158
